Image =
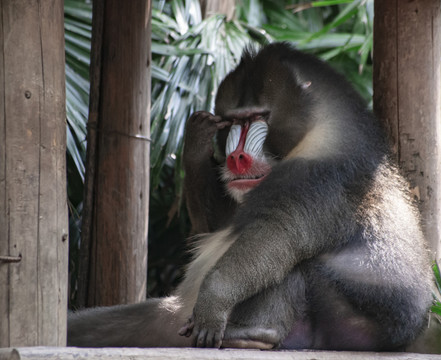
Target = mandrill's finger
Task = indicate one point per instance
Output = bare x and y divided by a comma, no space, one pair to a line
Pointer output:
221,123
214,339
200,114
202,338
197,116
187,329
209,342
217,341
183,331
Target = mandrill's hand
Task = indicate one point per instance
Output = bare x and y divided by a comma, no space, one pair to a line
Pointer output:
210,314
208,330
199,132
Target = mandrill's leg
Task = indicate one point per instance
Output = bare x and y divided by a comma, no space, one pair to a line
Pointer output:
152,323
265,320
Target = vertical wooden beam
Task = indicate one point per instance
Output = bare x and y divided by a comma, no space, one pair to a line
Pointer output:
407,88
212,7
33,208
92,139
118,173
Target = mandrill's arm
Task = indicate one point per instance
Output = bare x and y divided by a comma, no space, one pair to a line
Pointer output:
208,205
282,222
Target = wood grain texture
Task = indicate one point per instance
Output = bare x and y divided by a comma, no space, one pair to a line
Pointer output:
33,210
407,58
199,354
118,217
91,156
213,7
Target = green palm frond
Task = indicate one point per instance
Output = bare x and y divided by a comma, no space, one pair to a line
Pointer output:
78,29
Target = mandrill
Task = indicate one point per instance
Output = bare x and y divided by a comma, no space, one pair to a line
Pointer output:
310,240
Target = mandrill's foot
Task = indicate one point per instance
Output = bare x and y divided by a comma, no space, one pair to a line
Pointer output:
250,338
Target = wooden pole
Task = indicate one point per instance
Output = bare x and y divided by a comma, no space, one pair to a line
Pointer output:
212,7
117,186
92,138
33,208
407,90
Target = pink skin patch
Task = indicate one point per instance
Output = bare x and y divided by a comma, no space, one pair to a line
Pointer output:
246,165
239,162
245,184
239,184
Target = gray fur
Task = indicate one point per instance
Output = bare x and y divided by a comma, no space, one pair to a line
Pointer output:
326,253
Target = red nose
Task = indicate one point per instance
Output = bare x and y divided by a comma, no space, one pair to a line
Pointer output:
239,162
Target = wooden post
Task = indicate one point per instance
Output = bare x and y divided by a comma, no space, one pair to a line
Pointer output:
115,221
407,90
33,208
211,7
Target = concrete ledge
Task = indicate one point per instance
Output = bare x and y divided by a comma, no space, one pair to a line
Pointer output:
51,353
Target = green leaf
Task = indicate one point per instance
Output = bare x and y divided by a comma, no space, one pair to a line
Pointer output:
437,275
78,10
348,12
330,2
